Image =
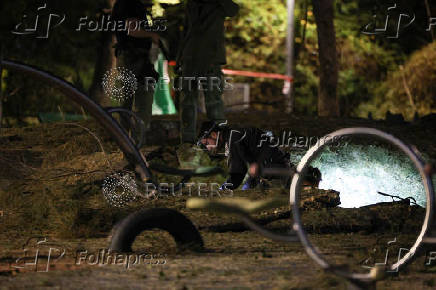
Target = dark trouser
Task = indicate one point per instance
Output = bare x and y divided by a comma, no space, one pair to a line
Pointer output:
137,61
279,159
212,97
276,159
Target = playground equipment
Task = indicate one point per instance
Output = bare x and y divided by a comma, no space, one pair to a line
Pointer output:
104,116
243,208
128,229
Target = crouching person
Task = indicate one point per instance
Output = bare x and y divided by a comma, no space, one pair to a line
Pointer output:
248,150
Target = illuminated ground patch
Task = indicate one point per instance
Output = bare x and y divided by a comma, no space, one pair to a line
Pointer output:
358,172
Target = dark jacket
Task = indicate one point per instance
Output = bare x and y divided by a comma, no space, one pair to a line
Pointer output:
203,44
250,145
123,10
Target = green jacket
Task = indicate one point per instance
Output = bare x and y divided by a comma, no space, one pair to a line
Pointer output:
203,44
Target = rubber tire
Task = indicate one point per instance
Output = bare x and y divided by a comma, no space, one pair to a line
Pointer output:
176,224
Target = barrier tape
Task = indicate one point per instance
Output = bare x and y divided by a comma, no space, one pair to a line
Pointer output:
252,74
258,75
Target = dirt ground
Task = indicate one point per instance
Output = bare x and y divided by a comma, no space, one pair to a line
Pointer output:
50,188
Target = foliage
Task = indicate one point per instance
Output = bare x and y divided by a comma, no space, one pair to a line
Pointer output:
256,40
306,89
67,53
4,75
363,69
410,88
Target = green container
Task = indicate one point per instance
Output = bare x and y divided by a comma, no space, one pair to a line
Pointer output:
162,102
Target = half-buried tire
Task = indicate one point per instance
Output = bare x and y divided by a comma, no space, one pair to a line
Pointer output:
176,224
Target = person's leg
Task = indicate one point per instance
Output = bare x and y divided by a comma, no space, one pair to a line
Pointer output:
145,93
280,159
188,107
127,103
213,94
143,109
136,60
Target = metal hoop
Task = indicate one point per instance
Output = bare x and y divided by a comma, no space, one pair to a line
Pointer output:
106,120
295,192
103,117
134,116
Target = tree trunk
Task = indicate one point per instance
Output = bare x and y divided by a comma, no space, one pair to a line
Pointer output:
105,61
1,108
1,85
328,72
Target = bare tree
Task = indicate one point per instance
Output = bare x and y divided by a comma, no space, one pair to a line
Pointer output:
328,73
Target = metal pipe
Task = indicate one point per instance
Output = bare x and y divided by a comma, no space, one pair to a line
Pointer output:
290,54
106,120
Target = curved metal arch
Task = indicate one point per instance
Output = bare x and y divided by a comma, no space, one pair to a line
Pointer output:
105,119
135,116
425,235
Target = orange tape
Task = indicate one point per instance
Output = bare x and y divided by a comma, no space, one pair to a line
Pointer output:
251,74
257,75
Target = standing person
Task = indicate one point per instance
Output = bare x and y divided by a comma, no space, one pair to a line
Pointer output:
133,53
201,55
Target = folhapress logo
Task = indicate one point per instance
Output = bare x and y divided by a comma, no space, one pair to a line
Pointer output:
393,22
41,26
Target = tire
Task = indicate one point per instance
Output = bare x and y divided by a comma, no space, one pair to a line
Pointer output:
176,224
